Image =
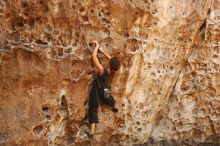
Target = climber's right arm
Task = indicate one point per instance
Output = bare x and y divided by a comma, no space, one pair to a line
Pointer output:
98,66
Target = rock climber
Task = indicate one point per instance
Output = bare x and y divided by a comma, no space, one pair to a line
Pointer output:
101,87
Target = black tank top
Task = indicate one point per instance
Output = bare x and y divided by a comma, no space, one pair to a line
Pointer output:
104,80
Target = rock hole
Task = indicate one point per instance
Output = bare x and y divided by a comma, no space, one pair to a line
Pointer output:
92,45
105,20
129,117
210,92
45,8
202,30
24,4
82,9
31,22
139,130
154,12
63,103
107,13
51,54
7,47
49,28
106,45
47,37
60,51
75,43
48,117
69,50
102,11
137,113
141,107
184,87
38,129
215,56
85,18
100,14
57,117
201,112
70,140
45,107
149,65
109,26
107,32
40,42
134,49
190,40
20,24
135,140
77,35
155,23
171,67
58,140
142,114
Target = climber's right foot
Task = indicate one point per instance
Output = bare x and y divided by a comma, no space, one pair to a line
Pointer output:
115,110
89,134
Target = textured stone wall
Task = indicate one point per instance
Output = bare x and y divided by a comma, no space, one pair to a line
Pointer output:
168,86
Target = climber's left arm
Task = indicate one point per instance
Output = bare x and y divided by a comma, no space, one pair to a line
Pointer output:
107,55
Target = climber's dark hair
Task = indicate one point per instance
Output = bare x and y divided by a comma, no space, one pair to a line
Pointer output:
114,64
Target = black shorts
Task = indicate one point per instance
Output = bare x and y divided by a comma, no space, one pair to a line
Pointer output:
94,101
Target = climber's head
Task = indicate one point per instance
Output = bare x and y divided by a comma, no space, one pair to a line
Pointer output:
114,64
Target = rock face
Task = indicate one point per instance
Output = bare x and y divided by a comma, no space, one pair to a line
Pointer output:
167,89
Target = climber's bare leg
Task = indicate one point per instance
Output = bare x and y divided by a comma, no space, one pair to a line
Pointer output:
115,106
92,128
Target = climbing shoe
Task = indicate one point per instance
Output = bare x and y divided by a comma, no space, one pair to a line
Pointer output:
114,109
89,134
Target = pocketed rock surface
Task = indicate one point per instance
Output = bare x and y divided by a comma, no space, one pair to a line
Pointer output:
167,88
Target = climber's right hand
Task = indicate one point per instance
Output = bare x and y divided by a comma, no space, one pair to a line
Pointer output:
96,44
